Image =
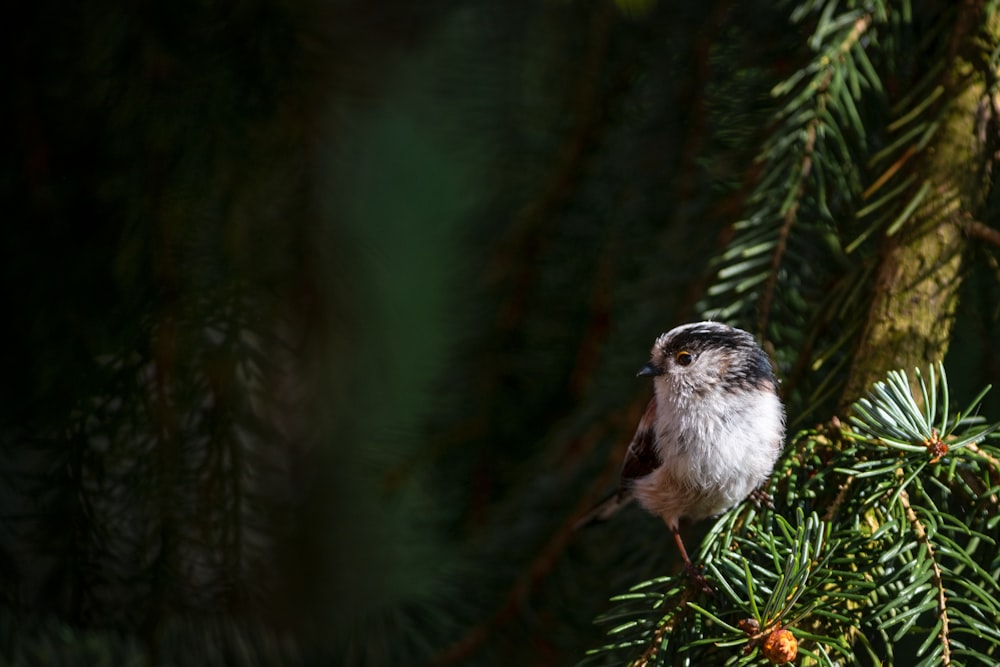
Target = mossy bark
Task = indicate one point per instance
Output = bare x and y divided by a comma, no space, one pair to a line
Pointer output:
916,288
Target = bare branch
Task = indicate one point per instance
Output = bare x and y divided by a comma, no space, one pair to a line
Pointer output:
980,231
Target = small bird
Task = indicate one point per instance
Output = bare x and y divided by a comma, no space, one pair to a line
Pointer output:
710,434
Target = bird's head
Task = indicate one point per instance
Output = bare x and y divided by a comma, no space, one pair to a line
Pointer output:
706,355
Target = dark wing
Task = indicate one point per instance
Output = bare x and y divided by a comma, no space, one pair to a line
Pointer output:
641,457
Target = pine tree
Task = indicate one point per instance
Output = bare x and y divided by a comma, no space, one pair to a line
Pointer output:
860,221
878,548
323,320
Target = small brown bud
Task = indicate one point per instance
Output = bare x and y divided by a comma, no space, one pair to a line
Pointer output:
936,448
749,626
780,646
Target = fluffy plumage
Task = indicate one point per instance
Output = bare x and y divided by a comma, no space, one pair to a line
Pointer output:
712,431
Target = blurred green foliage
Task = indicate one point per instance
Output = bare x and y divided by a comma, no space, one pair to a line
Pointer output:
323,317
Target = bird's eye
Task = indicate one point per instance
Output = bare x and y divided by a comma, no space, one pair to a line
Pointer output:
684,357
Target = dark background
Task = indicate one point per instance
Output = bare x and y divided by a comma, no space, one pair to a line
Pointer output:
322,318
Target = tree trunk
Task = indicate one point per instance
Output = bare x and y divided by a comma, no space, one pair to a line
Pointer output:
920,267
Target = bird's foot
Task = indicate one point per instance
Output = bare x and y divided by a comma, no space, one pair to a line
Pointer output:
761,498
697,578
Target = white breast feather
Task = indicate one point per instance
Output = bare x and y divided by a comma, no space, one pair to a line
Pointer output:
715,450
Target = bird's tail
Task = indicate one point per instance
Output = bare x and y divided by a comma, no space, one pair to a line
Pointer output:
604,510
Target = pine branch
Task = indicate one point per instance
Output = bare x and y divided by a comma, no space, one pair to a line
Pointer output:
807,182
992,460
804,169
878,562
936,580
666,625
545,560
543,564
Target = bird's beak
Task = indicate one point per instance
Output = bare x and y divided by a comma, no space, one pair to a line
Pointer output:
650,370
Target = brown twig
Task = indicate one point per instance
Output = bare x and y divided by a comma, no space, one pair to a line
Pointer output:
666,625
978,230
831,511
936,579
992,460
767,294
546,559
805,168
994,464
890,172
